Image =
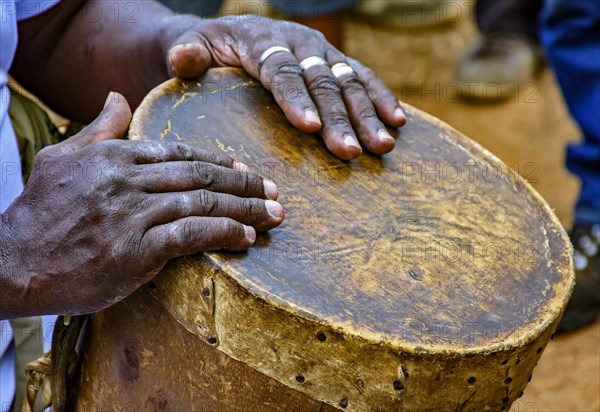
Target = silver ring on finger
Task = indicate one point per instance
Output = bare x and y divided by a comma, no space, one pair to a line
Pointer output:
341,69
269,52
312,61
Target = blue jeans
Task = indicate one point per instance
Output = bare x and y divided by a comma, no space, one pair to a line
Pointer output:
571,36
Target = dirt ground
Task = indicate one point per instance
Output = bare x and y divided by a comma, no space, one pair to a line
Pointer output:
529,133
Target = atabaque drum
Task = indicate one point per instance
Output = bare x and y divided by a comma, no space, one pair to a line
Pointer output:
430,278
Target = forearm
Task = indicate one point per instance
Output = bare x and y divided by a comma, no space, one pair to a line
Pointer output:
75,53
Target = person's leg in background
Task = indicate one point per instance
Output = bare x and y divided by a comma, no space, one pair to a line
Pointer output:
509,16
506,53
571,37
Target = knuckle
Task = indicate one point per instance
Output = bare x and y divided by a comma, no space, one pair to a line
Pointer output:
110,149
183,150
368,113
252,208
338,118
292,91
182,204
133,245
229,226
286,67
45,153
218,158
113,181
189,232
43,156
138,148
256,185
320,36
324,83
208,202
106,145
202,174
315,35
353,85
285,77
245,183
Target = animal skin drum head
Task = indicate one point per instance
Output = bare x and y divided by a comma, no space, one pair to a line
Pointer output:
430,278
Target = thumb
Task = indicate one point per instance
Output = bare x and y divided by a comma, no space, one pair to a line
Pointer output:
188,56
112,123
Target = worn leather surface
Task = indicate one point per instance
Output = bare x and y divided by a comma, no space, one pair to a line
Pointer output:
435,273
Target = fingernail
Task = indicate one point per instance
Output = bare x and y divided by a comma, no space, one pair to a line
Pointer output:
250,233
310,116
240,167
176,47
384,136
274,209
181,46
399,113
173,50
270,189
351,141
109,99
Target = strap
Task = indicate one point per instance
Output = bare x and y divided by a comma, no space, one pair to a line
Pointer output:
64,357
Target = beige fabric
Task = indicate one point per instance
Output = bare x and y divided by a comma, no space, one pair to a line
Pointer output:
33,128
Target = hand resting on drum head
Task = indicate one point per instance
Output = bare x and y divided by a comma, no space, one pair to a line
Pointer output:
72,243
318,88
101,216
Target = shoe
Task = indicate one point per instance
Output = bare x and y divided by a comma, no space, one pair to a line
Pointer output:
496,65
584,306
407,14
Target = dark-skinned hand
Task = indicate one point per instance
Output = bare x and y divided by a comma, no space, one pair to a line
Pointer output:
348,111
100,216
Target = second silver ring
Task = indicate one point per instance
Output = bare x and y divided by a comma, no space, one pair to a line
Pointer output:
341,69
311,61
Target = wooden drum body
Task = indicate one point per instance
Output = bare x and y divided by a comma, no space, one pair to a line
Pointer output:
430,278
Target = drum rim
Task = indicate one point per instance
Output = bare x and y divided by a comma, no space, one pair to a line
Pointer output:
518,337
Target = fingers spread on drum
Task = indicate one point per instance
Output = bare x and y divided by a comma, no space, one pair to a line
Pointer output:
361,113
281,74
169,207
337,132
371,131
184,176
387,105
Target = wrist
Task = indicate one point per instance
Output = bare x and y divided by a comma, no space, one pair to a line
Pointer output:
14,280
